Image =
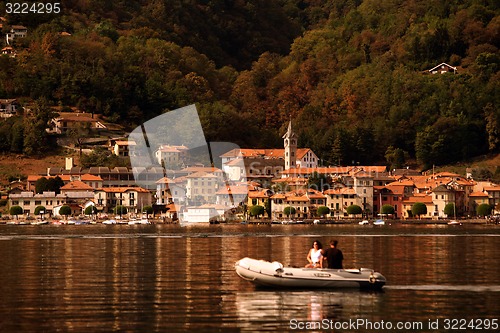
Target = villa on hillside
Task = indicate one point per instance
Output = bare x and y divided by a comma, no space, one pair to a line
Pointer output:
71,120
442,68
8,107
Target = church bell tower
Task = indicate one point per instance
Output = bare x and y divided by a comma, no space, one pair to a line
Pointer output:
290,143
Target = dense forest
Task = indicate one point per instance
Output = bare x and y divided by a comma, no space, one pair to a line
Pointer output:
351,74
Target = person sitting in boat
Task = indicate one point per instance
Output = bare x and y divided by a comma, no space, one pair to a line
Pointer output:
334,256
315,255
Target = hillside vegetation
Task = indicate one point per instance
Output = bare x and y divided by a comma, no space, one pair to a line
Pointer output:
351,74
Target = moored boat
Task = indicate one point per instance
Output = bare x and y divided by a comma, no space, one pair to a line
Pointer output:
274,274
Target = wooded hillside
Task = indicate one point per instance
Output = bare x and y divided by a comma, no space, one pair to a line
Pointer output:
351,74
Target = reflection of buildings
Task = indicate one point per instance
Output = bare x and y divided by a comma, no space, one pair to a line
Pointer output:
186,281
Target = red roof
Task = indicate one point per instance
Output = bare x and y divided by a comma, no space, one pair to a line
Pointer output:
77,185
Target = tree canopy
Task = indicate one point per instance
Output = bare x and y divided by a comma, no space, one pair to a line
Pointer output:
419,209
354,210
352,75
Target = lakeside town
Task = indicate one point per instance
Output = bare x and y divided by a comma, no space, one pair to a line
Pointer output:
289,184
285,185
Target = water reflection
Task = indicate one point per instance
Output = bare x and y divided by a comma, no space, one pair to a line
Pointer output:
161,278
267,308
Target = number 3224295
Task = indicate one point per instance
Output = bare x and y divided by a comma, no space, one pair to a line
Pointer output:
32,8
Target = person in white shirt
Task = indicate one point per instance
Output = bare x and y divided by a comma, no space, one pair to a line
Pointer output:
315,255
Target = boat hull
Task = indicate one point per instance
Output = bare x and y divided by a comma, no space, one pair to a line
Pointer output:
273,274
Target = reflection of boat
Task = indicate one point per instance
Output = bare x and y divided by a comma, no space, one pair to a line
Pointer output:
379,222
273,309
273,274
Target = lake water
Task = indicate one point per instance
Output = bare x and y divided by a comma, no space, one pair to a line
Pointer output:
167,278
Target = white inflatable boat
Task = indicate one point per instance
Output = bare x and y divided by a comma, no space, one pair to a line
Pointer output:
273,274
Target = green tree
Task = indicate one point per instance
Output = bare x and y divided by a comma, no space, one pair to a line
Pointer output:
39,209
65,210
323,210
396,157
16,210
36,139
120,210
268,208
41,185
148,210
54,184
90,210
419,209
387,209
449,209
78,134
354,210
289,210
257,210
484,209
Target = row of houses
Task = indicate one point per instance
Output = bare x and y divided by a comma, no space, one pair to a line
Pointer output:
373,190
274,178
366,187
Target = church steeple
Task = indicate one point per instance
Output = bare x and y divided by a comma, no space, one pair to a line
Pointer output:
290,144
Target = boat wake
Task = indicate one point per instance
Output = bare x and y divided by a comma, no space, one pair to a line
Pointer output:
439,287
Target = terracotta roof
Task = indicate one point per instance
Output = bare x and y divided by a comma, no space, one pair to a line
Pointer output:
320,170
313,194
297,198
233,190
492,188
89,177
202,174
340,190
34,178
165,180
77,185
423,199
259,194
372,168
268,153
125,143
123,189
478,194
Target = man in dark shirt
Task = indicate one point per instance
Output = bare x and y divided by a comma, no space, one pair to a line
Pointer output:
333,255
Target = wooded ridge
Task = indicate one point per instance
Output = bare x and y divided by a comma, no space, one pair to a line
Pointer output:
353,75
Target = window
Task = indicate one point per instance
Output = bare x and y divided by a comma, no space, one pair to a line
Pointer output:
26,203
38,202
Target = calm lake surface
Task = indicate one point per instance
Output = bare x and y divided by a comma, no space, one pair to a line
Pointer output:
167,278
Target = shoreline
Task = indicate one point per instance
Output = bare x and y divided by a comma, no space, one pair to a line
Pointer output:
254,222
